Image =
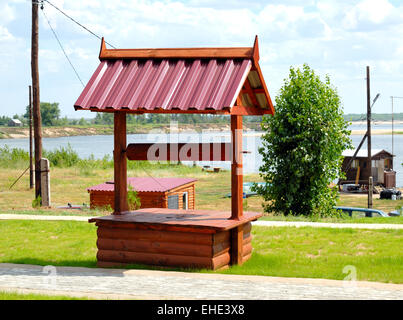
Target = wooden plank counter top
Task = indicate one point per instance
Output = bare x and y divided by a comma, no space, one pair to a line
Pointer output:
203,219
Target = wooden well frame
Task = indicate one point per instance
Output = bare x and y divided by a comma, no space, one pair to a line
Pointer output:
181,238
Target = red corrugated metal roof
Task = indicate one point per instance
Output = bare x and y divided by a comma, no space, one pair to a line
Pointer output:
146,184
151,84
176,80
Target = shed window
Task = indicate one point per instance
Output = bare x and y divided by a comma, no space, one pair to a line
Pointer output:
173,202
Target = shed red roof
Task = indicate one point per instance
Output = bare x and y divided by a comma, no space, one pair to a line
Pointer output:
146,184
205,80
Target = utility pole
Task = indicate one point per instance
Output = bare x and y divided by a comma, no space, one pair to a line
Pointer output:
31,167
36,99
392,126
370,181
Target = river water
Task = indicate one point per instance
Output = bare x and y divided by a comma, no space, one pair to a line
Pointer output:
101,145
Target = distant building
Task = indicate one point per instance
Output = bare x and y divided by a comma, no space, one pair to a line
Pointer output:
358,173
14,123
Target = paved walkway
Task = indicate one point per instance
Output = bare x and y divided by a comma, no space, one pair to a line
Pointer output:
149,284
257,223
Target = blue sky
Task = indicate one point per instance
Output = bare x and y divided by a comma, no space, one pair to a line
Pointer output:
338,38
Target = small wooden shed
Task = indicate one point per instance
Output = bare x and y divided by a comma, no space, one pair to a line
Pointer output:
359,172
171,193
14,123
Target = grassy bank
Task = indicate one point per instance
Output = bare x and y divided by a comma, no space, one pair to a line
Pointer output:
70,176
285,252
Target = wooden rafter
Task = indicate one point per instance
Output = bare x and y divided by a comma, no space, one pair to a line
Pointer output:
250,93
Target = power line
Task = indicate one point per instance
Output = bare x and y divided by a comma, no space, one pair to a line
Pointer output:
61,46
78,23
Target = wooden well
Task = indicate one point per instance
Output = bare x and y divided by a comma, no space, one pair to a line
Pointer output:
221,81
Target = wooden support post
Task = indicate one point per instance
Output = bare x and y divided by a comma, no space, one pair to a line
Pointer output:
236,168
370,191
236,189
45,182
237,245
369,160
120,162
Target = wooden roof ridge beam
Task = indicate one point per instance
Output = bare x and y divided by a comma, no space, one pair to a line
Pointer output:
183,53
255,51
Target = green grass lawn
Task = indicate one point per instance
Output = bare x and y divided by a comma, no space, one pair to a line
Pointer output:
324,252
286,251
34,296
58,243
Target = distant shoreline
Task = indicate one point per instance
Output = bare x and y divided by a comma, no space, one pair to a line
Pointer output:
69,131
55,132
376,122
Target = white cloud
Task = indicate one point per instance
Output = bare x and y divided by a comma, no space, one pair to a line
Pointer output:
369,13
5,35
7,14
336,36
50,61
374,10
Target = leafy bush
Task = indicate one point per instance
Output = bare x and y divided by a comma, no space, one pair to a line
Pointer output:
133,200
62,157
302,147
36,203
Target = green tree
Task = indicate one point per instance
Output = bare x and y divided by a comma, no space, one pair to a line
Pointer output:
302,147
4,120
50,113
98,118
82,122
104,118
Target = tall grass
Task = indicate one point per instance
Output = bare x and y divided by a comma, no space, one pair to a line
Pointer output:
13,158
62,157
17,157
66,157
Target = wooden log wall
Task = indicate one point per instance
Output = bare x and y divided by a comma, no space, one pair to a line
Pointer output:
106,198
136,244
